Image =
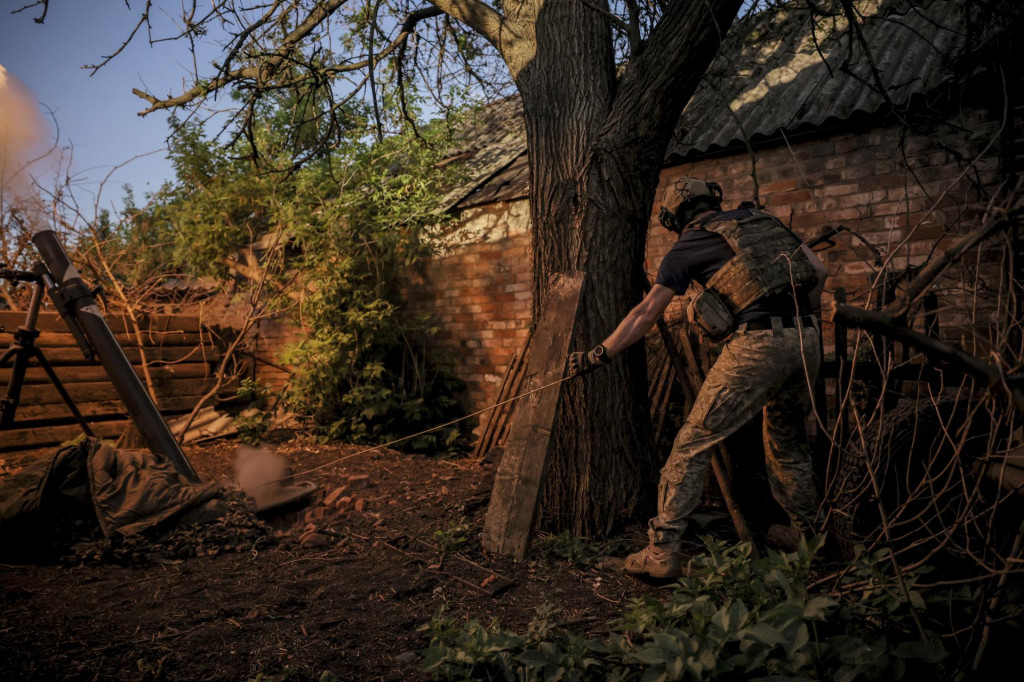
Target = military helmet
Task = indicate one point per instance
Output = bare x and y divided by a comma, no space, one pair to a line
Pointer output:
686,198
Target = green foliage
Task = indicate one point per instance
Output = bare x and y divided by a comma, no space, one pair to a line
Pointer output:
454,537
362,371
254,422
581,552
341,234
738,618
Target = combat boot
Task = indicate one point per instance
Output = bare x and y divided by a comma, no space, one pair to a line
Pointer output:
656,562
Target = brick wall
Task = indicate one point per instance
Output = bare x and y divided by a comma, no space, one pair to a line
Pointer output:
271,338
905,193
479,292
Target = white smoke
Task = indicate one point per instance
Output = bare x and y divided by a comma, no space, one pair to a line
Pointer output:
24,135
257,471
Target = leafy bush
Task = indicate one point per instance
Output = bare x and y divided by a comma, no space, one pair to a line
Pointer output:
362,371
341,233
254,422
454,537
738,618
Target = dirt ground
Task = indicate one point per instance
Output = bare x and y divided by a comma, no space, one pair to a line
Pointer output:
284,602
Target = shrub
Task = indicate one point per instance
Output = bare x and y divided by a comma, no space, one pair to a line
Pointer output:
738,618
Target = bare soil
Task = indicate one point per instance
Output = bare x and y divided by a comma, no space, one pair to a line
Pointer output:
348,601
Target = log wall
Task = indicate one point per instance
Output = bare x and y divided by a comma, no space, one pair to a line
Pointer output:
182,356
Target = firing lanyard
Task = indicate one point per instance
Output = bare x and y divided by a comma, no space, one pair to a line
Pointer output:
425,431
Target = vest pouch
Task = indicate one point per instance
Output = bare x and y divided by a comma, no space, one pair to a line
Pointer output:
709,314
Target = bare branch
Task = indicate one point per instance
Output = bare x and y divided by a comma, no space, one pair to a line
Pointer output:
267,68
42,17
371,28
998,218
616,21
243,35
633,28
881,322
143,20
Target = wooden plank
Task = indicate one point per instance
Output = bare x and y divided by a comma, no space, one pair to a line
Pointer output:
34,437
46,394
172,338
92,373
73,356
517,482
691,385
500,436
118,322
106,408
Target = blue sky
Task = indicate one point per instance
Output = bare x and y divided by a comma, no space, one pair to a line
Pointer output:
97,115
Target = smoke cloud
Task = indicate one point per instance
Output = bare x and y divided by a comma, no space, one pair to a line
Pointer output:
257,470
23,136
24,152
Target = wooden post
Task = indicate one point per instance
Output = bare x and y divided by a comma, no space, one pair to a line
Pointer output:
843,373
517,483
484,442
691,386
931,328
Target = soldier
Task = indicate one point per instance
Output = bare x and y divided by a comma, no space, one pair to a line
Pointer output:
760,288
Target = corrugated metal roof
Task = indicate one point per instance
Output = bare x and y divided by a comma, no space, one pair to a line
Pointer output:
806,72
490,144
780,70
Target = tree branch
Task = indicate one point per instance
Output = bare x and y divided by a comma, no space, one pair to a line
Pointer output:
143,19
264,71
881,322
658,82
633,29
244,34
42,17
271,63
998,218
481,18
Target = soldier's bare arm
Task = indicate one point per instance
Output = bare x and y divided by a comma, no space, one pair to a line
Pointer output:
639,320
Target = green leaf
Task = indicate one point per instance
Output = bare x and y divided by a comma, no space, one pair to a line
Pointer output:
929,652
817,608
533,658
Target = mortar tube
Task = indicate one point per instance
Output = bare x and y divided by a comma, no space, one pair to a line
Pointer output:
136,399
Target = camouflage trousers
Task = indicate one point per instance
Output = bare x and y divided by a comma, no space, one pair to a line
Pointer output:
770,369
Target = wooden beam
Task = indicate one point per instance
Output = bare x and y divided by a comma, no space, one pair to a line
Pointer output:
106,409
46,394
517,483
171,338
91,373
71,355
118,323
38,436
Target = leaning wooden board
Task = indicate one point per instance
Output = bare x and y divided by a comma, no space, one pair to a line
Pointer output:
517,483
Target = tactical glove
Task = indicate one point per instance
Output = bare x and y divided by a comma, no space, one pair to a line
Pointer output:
581,363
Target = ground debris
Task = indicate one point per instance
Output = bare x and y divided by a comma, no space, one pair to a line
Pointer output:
236,528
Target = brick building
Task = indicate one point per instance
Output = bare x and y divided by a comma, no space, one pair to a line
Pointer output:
791,102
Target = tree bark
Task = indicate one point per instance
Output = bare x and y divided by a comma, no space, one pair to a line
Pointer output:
596,144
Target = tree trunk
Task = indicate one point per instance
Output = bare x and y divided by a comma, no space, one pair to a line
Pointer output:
596,145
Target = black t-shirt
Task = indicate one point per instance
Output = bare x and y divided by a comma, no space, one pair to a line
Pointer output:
698,254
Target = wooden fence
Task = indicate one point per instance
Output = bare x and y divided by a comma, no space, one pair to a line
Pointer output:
182,356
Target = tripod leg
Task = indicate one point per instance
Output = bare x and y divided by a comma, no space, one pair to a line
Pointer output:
9,403
45,364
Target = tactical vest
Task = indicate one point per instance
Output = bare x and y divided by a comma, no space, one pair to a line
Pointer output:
768,261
